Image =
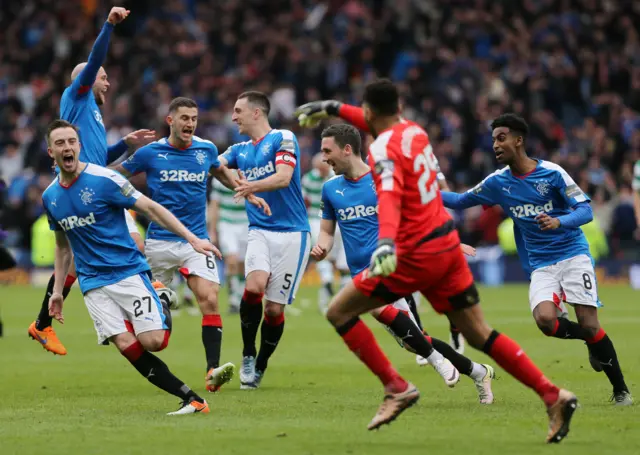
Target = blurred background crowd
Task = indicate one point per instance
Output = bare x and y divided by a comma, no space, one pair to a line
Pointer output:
570,67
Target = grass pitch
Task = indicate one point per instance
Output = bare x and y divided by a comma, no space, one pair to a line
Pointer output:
316,397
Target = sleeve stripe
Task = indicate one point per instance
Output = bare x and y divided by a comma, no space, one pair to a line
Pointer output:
84,89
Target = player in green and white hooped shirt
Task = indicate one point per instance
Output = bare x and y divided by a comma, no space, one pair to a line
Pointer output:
312,183
229,228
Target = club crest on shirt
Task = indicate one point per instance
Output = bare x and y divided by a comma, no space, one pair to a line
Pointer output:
86,195
200,157
543,186
265,149
373,187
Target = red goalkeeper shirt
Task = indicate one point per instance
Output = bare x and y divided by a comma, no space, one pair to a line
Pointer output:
410,205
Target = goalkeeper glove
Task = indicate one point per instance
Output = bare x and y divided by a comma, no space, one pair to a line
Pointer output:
310,114
384,260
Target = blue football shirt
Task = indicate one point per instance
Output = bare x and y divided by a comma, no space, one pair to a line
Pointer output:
547,189
177,180
90,211
353,204
258,161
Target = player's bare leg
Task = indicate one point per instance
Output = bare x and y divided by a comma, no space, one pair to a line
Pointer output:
343,313
138,352
206,294
250,318
602,349
560,403
42,329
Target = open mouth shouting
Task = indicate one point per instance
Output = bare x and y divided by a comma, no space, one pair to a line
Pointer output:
187,131
68,159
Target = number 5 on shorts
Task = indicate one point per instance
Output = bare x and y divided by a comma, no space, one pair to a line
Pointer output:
287,282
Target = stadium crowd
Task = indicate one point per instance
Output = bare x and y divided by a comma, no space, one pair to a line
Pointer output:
570,67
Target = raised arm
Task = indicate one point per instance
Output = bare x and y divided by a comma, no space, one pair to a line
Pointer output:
310,114
84,81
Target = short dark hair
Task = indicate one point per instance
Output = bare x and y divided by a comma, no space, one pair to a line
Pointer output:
382,97
57,124
181,101
344,135
258,99
515,123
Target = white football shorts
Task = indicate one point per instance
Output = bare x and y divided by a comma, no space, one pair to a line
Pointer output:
132,301
284,255
166,256
573,278
233,238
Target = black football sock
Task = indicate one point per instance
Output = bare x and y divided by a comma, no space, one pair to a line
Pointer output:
455,335
270,334
44,320
413,306
462,363
157,373
250,317
568,330
601,347
406,330
212,339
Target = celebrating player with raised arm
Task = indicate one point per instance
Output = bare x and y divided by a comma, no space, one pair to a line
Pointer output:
79,106
85,205
278,246
419,249
311,114
548,208
349,201
177,169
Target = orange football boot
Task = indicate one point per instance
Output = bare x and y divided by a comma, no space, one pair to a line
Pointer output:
48,339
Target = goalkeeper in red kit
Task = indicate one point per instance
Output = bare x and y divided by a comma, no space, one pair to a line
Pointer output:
311,114
419,250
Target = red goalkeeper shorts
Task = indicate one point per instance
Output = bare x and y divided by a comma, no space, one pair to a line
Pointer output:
443,278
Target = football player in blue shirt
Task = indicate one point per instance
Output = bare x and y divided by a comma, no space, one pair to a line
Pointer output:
278,245
349,201
79,105
85,205
177,168
548,208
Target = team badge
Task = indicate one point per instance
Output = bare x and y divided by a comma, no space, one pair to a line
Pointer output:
543,187
86,195
265,149
200,157
373,187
